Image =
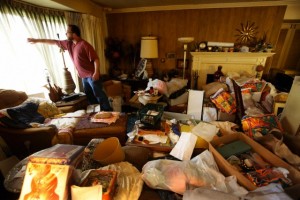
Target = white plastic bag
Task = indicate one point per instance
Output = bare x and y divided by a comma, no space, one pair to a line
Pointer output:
173,175
179,176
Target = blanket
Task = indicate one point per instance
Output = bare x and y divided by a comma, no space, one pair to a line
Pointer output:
65,125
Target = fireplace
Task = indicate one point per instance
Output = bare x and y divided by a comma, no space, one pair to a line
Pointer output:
207,63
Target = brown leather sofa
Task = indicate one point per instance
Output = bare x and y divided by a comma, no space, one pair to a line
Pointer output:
23,142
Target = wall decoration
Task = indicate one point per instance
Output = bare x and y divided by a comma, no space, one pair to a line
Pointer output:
247,33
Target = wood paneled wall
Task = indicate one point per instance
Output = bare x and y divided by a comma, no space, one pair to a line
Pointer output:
217,24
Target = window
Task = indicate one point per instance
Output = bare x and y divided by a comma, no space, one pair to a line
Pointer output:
24,66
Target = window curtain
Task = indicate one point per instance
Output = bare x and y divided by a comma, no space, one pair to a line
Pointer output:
96,37
94,30
24,66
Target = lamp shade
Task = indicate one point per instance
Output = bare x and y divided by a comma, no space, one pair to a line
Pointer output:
149,47
185,40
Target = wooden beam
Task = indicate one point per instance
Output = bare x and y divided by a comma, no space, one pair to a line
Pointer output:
85,6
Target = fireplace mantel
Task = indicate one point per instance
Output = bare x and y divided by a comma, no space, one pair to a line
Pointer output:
207,63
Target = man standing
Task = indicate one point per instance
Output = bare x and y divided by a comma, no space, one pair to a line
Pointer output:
86,62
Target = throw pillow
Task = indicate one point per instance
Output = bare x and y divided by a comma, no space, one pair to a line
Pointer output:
26,113
47,109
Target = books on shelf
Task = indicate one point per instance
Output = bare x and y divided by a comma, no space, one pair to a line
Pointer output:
60,154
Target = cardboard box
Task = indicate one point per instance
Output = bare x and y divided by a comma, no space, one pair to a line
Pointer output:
46,181
227,169
113,88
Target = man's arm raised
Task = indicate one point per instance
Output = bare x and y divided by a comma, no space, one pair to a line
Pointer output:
45,41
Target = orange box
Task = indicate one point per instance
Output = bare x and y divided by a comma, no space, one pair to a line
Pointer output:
227,169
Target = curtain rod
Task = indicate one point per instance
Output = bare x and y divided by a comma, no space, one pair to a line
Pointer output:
23,3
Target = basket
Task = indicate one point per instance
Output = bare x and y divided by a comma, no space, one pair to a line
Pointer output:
151,114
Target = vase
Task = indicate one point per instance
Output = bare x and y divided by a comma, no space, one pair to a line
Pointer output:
218,74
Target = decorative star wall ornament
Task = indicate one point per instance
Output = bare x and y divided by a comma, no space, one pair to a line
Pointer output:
247,33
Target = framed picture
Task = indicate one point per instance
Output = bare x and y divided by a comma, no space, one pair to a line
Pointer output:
180,64
278,107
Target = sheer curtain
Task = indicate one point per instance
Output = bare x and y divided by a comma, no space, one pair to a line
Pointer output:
94,30
24,66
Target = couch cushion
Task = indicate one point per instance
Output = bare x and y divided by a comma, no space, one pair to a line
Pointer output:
26,113
11,98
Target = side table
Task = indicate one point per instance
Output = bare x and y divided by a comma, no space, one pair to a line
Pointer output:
71,106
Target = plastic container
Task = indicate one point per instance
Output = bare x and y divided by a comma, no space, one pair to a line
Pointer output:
109,151
151,114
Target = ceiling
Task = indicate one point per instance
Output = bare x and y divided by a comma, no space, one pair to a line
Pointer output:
119,4
131,4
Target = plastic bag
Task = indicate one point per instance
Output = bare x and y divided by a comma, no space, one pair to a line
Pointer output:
129,181
224,101
173,175
255,126
179,176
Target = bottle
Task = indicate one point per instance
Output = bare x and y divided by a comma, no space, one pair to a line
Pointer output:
218,73
150,84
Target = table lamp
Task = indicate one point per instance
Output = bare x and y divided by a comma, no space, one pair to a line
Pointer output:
185,41
149,50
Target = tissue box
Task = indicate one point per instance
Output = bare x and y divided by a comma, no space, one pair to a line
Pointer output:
228,170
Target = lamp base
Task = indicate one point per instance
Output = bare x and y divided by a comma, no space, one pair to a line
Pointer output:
149,68
69,85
